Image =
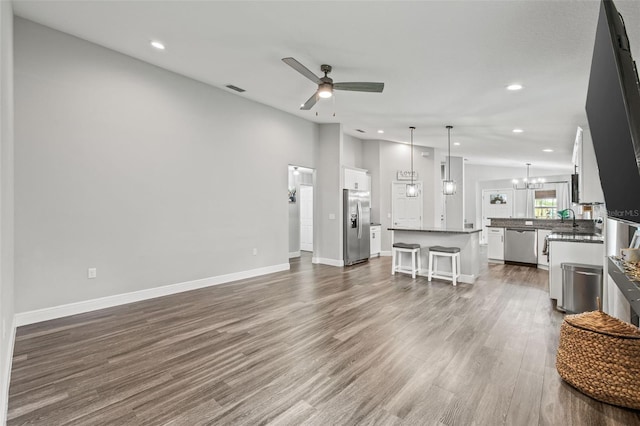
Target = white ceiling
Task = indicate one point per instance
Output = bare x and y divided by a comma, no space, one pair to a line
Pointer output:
442,62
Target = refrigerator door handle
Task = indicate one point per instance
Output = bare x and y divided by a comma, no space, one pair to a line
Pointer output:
359,207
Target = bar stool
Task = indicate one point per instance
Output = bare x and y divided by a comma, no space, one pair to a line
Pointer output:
396,252
452,253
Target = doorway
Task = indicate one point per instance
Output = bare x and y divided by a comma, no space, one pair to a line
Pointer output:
306,217
301,223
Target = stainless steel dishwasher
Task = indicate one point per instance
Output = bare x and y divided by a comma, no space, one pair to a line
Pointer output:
521,246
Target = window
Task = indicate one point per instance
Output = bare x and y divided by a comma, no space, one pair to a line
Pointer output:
546,204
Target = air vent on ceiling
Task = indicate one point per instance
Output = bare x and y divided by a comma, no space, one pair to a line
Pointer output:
360,130
236,88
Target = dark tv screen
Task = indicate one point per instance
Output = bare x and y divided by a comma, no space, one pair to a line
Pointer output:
613,112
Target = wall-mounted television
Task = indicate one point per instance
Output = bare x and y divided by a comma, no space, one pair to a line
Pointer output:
613,112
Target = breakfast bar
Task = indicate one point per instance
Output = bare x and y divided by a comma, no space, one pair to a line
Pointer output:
467,240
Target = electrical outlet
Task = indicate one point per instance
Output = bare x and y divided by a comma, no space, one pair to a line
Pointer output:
332,216
528,222
388,215
255,251
92,273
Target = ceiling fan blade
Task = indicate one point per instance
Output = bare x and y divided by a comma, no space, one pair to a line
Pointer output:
301,69
311,102
359,87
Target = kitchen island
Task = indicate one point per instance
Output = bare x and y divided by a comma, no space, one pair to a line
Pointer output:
467,240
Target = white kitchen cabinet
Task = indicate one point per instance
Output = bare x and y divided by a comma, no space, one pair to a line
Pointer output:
543,261
573,252
495,251
376,238
356,179
586,165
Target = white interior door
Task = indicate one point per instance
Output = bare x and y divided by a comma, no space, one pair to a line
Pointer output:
496,203
306,217
406,211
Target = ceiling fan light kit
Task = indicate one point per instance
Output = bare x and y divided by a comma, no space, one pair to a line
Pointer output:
326,86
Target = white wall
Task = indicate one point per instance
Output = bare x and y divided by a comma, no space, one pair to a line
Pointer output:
6,202
150,177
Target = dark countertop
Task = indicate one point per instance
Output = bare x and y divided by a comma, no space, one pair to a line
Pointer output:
375,224
440,230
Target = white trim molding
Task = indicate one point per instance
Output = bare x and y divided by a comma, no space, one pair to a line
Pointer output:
6,377
30,317
293,254
325,261
385,253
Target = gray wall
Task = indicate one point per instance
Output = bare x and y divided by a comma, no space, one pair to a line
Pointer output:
352,152
371,162
150,177
327,238
6,200
454,204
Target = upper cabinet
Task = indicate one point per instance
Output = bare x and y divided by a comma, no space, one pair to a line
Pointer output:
356,179
584,161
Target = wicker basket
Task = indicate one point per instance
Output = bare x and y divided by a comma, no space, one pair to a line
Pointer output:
600,356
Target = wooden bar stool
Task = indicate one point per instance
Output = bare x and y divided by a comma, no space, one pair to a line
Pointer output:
396,252
452,253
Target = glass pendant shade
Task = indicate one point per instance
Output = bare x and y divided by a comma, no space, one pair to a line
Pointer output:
448,187
412,190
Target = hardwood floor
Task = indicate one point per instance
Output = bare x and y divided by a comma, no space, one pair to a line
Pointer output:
317,345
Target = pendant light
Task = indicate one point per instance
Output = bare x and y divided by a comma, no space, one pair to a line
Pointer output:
412,188
449,186
528,183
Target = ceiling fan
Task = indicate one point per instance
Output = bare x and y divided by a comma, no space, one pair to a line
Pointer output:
326,86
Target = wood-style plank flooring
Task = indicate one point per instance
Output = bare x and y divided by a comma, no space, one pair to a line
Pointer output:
316,345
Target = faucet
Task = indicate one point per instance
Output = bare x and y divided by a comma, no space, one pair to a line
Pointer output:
562,212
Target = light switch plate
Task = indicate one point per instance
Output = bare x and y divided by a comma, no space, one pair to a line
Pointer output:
528,222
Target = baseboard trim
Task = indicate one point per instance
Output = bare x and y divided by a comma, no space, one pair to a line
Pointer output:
325,261
385,253
54,312
4,398
294,254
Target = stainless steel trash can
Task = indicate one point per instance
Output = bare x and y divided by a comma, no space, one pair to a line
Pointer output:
581,286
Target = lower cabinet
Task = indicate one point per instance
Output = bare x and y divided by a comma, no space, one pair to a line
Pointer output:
375,243
495,250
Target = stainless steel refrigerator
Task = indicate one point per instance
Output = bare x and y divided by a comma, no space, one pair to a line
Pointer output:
356,217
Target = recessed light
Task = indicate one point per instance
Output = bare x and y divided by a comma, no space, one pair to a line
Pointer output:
456,143
518,130
514,86
157,45
380,131
547,150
